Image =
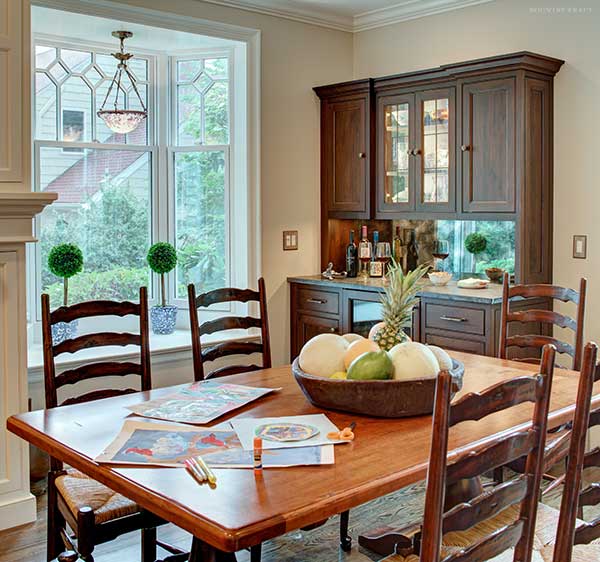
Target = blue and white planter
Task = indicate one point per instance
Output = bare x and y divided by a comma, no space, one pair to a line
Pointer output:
62,331
163,319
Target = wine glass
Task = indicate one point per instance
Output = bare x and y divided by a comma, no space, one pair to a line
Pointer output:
383,253
440,251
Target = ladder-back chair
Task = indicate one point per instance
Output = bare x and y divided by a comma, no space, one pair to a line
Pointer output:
202,354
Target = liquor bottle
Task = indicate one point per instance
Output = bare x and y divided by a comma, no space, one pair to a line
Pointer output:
398,248
375,269
412,255
352,257
365,253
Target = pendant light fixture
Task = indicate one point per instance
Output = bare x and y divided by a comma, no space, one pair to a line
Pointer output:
122,121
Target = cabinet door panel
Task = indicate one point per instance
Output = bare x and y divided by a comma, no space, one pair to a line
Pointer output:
14,131
488,145
451,343
308,326
346,159
435,150
395,161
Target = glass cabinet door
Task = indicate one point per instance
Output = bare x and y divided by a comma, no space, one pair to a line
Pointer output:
434,153
395,162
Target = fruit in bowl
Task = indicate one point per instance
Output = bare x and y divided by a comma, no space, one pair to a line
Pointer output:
370,366
323,355
439,278
413,360
495,274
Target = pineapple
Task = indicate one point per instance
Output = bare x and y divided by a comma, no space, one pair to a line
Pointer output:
397,303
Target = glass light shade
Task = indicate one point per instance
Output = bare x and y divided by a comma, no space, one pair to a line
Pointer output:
122,121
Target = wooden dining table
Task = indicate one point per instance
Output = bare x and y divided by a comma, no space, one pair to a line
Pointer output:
244,508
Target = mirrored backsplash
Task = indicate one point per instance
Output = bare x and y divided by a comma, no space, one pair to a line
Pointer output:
499,243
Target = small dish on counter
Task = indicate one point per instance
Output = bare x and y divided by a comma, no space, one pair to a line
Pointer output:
495,274
439,278
473,283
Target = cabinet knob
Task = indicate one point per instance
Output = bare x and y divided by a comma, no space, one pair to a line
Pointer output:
362,154
465,147
332,329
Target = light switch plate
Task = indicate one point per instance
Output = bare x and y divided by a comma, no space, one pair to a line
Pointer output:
580,246
290,240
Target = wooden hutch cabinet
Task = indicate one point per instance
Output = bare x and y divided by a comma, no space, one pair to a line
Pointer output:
469,141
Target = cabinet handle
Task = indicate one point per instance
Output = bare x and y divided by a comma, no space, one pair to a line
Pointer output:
316,301
362,154
453,319
465,147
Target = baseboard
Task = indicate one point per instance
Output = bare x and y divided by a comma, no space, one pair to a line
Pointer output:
17,509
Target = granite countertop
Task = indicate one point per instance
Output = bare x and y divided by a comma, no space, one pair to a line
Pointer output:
491,295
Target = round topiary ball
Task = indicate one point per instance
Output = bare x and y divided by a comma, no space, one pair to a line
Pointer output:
162,257
475,243
65,260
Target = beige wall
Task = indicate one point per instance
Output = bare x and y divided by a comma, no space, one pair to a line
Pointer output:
504,26
295,57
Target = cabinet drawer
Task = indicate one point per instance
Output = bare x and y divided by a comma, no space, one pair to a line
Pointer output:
455,318
318,301
456,344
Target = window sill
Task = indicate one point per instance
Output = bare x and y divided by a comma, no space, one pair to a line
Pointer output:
163,348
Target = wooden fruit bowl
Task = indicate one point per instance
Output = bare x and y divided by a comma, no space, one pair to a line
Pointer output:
381,399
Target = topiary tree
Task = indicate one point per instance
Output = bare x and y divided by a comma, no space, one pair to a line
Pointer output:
475,243
65,260
162,258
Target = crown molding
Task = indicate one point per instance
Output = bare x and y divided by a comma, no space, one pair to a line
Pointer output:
372,19
409,10
274,8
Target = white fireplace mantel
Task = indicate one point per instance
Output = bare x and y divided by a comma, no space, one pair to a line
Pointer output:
17,209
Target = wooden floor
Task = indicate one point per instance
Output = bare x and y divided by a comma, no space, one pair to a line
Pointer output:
27,543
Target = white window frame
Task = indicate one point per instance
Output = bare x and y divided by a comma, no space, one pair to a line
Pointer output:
161,146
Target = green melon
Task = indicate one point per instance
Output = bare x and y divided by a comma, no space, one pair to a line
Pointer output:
372,365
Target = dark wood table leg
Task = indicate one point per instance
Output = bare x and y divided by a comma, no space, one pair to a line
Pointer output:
345,539
202,552
384,540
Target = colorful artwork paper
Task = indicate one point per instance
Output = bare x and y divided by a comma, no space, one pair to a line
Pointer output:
159,444
200,402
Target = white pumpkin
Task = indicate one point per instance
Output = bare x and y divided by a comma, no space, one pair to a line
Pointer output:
323,355
413,360
352,337
444,360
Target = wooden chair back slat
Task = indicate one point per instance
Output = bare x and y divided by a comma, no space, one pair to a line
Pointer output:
98,394
486,505
493,545
499,453
231,348
546,316
542,317
523,491
594,418
218,351
97,370
230,323
226,295
94,308
96,340
544,291
540,341
478,405
591,495
233,370
565,533
588,532
592,459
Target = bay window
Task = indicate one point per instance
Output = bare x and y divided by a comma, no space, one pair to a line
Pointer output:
169,180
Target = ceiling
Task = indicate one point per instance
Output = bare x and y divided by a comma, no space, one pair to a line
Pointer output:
349,15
